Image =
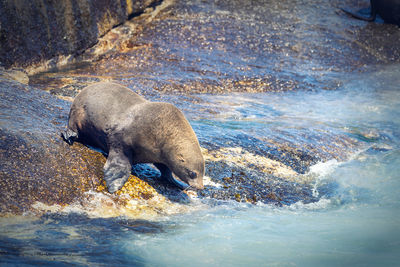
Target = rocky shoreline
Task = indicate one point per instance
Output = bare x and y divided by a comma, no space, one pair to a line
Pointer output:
40,172
174,48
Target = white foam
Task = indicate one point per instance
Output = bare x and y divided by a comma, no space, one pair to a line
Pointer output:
324,169
321,204
321,171
104,205
207,181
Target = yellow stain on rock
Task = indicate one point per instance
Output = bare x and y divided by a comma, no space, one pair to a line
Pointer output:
80,188
129,6
135,188
244,158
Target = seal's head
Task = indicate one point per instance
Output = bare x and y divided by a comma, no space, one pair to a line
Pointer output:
189,169
177,145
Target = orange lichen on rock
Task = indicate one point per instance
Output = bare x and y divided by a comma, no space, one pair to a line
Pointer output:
134,187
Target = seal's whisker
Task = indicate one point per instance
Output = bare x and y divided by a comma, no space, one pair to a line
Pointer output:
188,188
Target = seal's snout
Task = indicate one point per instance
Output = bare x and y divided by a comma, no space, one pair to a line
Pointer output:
199,187
197,184
187,183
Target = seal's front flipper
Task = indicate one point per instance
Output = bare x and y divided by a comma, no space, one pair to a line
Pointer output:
167,174
69,136
116,170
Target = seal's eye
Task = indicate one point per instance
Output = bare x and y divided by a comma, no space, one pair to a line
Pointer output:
192,175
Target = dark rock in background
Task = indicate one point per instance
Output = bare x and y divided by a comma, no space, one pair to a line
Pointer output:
36,31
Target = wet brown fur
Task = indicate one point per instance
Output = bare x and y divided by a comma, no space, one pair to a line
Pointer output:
132,130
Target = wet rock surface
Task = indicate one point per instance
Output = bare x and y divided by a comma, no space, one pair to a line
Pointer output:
39,172
234,46
34,164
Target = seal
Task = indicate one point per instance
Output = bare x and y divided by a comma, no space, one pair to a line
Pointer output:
389,10
130,130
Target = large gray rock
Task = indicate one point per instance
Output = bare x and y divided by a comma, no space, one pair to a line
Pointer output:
34,31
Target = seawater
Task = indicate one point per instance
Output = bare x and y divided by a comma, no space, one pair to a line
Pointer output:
355,222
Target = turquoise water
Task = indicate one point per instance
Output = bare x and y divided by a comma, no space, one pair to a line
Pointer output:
355,222
359,226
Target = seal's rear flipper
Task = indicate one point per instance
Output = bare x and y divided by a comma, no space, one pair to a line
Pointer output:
69,136
116,170
372,17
